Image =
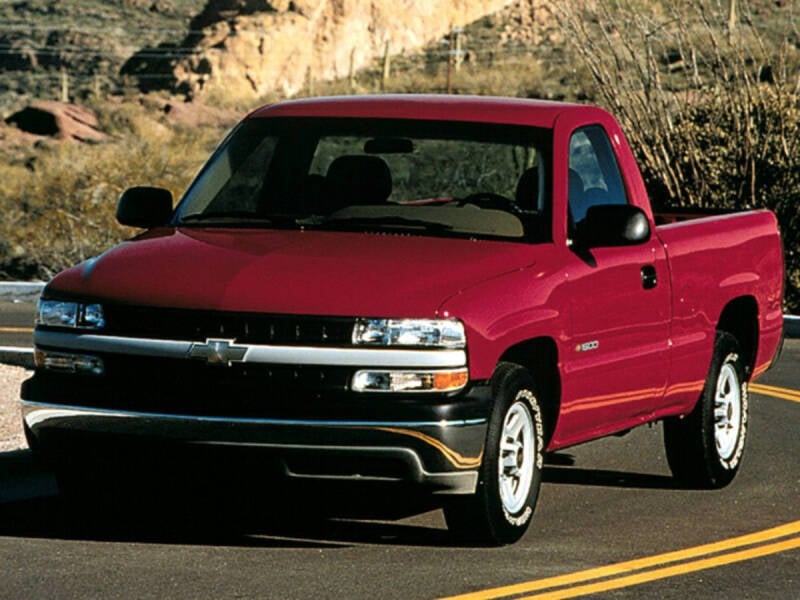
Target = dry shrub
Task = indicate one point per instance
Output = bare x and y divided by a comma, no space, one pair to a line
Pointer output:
488,71
59,204
710,107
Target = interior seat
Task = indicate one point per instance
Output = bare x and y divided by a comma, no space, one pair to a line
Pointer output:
357,180
527,193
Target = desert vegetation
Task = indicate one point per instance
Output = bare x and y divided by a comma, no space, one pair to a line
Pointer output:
707,93
706,90
58,200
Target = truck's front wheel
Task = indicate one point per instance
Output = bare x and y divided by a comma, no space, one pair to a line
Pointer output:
501,509
705,448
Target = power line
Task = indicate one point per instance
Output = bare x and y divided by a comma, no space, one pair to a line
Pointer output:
30,27
148,52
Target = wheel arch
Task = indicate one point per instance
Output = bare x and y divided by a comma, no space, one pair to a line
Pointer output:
740,319
540,357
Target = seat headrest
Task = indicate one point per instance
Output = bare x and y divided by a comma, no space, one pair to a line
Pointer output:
527,192
353,180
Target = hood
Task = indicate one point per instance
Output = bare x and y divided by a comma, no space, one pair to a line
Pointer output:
298,272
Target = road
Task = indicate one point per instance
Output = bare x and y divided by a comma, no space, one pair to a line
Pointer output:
16,321
609,503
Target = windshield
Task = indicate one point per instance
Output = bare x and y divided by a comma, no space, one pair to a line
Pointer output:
436,178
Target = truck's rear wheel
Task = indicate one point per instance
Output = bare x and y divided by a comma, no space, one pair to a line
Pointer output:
705,448
501,509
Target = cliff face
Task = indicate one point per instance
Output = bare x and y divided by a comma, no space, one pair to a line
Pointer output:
249,48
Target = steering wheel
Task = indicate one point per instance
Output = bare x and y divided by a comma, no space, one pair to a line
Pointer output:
491,200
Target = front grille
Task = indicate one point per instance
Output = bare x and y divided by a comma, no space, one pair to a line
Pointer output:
174,386
254,328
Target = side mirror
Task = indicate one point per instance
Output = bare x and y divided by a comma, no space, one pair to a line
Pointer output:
145,207
610,225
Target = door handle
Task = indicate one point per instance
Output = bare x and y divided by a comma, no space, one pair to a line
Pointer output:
649,277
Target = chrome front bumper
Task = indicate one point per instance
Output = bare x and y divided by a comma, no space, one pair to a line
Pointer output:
444,456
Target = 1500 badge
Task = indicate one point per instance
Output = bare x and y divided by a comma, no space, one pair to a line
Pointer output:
588,346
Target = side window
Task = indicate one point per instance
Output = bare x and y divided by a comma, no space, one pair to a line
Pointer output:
594,176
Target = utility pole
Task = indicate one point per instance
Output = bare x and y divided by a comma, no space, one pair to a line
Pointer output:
450,62
352,74
309,81
387,67
458,56
732,19
64,85
454,55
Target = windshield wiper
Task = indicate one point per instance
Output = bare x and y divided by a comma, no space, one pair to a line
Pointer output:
237,216
392,222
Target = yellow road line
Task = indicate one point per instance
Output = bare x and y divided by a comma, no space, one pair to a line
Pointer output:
674,571
16,329
623,568
776,392
691,559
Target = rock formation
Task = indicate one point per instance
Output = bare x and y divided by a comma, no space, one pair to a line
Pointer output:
246,49
58,120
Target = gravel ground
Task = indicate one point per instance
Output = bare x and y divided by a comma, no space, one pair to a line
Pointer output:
11,435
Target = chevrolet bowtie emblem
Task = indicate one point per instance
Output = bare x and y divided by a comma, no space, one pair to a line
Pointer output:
218,352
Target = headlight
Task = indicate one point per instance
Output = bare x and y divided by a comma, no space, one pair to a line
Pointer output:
426,333
57,313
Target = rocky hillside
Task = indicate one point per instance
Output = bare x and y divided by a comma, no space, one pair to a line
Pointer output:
248,49
234,52
41,41
239,52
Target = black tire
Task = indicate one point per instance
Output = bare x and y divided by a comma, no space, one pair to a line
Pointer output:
500,511
705,449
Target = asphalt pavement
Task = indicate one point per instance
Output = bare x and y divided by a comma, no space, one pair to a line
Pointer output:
16,323
17,309
611,522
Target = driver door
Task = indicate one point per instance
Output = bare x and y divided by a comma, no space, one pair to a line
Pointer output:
617,362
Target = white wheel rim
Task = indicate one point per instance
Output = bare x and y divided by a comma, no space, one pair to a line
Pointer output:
727,411
516,458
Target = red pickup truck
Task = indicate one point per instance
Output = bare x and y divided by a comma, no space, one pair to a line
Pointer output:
426,290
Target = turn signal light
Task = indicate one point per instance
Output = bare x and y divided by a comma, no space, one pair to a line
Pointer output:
450,380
